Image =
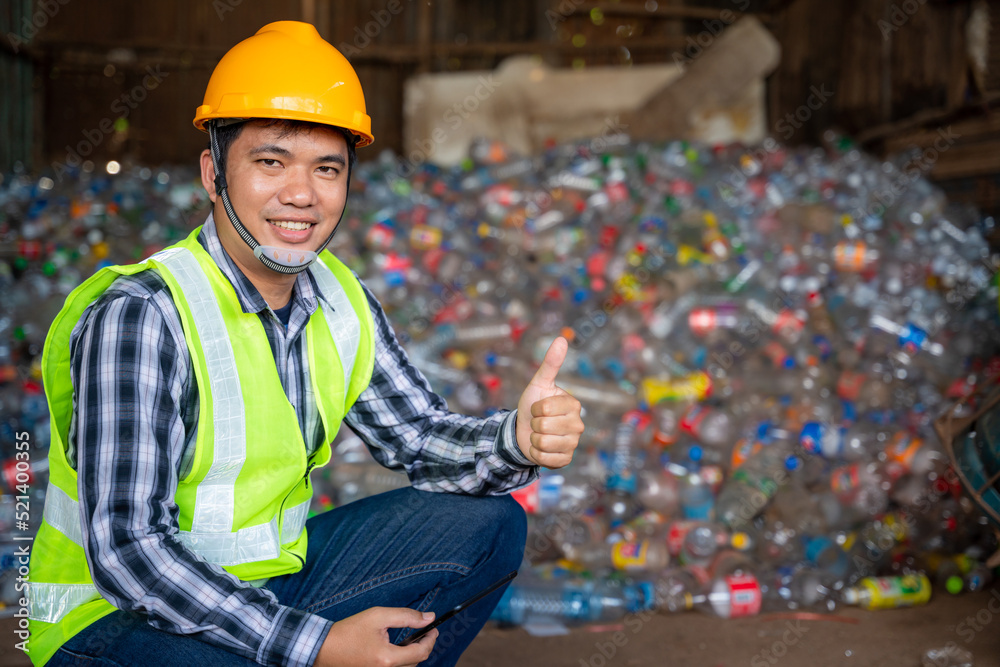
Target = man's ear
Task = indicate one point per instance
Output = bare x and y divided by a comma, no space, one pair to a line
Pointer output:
208,174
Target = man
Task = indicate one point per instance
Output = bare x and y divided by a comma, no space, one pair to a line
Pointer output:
192,394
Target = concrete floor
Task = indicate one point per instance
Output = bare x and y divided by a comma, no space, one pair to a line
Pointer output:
852,637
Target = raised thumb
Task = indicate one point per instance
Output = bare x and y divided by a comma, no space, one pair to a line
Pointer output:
555,356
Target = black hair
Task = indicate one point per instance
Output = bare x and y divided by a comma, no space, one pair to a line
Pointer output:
227,134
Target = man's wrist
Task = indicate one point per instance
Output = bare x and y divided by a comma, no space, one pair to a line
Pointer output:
295,638
507,446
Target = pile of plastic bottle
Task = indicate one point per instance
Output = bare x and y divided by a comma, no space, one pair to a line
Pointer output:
761,340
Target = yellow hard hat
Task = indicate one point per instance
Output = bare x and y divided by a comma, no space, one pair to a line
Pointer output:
287,71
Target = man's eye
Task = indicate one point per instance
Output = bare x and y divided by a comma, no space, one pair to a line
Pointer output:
328,170
269,162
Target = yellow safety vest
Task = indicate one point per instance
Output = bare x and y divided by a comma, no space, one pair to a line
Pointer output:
244,504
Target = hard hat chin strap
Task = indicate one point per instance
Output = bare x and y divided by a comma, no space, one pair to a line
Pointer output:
282,260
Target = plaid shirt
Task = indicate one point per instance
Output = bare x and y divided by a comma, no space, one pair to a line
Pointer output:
135,423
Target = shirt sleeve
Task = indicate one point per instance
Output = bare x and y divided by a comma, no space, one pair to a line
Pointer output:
406,425
130,373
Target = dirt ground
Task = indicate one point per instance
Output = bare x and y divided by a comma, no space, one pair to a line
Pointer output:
855,637
852,637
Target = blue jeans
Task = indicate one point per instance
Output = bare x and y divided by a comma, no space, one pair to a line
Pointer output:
404,548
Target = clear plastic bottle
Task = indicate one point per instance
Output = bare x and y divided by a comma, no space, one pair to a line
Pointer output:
677,584
749,490
578,534
658,488
730,596
870,548
841,443
704,542
917,456
824,554
571,602
711,426
697,499
801,589
865,486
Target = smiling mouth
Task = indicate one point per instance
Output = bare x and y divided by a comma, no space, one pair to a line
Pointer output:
292,225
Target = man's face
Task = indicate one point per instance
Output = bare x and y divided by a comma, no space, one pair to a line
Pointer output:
288,188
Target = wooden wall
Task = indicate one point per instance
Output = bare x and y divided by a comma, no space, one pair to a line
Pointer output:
17,88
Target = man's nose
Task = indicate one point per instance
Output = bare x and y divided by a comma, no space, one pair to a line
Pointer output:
298,189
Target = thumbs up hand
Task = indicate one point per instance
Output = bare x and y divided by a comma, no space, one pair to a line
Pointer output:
549,420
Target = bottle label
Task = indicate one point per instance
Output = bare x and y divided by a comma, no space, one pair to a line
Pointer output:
743,450
892,592
788,323
744,595
616,191
702,321
845,479
850,384
903,449
812,436
630,555
778,355
702,511
675,536
850,256
912,338
692,419
527,497
696,386
768,487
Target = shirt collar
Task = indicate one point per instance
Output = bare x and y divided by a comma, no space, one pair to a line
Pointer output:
304,293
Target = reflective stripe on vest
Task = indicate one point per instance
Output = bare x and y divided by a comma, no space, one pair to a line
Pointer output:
215,507
246,545
211,536
50,602
63,513
341,318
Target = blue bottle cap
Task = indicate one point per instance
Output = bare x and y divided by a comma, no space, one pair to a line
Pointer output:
811,437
